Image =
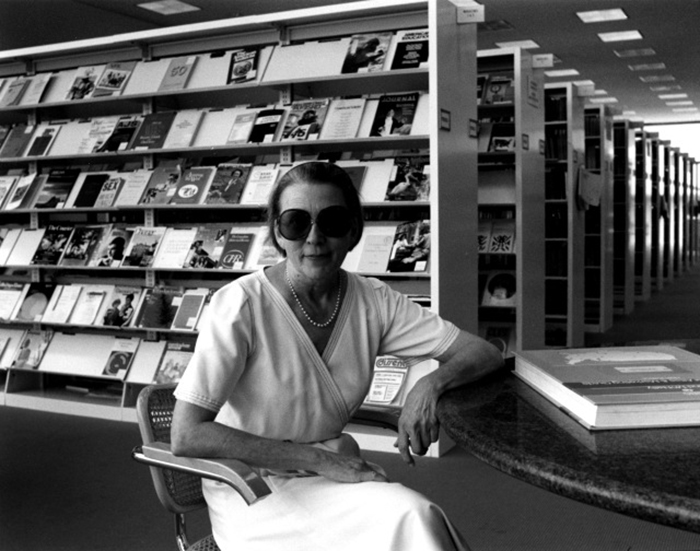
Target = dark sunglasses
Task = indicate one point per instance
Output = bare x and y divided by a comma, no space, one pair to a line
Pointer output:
295,224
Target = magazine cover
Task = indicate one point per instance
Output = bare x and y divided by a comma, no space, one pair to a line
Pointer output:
84,83
52,245
55,190
114,78
143,246
411,181
305,120
120,357
244,65
395,114
158,308
411,248
161,186
121,306
267,123
31,350
174,361
411,49
90,189
207,247
366,53
35,301
227,186
122,134
110,251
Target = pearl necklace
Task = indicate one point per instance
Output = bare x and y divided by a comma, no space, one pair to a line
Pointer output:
303,310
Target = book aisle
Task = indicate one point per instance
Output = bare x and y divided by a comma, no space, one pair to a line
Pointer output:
132,187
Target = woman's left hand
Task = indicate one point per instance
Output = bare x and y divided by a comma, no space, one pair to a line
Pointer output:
418,425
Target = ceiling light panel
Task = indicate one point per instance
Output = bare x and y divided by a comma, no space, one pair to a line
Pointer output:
657,78
620,36
600,16
524,44
665,87
678,103
603,100
685,109
647,67
168,7
672,96
638,52
561,73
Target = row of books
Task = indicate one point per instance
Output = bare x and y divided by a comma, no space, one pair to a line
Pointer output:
370,52
107,357
107,305
495,89
389,246
326,119
496,236
392,179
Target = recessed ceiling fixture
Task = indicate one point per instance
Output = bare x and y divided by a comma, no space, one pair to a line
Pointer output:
524,44
599,16
665,87
657,78
647,67
603,100
168,7
678,103
638,52
672,96
620,36
562,73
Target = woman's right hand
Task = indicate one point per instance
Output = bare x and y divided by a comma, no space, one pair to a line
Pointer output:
348,468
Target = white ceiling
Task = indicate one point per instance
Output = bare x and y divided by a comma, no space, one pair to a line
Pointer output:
670,27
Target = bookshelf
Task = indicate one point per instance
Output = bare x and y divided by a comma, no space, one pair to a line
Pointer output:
682,263
623,218
511,193
598,223
642,200
658,213
451,284
670,207
564,219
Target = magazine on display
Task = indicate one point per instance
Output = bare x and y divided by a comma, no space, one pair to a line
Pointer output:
42,140
183,129
500,289
174,247
143,246
395,114
161,185
153,131
62,303
110,250
243,66
207,246
343,119
121,306
267,125
121,357
53,244
122,134
101,129
13,92
176,357
12,294
55,188
228,183
193,186
84,82
410,251
411,49
34,343
17,140
35,301
367,52
114,78
305,120
108,192
178,73
158,307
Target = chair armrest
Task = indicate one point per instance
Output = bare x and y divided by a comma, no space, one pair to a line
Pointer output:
383,417
235,473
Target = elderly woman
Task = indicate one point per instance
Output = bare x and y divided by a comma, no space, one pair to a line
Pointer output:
283,363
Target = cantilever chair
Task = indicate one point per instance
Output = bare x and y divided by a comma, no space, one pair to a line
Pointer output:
177,480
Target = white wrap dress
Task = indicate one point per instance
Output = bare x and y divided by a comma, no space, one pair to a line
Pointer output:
255,366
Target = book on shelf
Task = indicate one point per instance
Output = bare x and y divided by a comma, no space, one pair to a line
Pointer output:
13,92
207,246
410,250
6,186
161,185
193,186
133,187
242,127
100,130
26,245
343,119
502,238
367,52
305,120
91,301
9,238
158,307
34,343
108,192
122,134
84,82
189,309
410,180
178,73
617,387
12,294
483,235
243,66
183,129
42,139
409,49
153,131
501,335
388,381
52,245
120,306
500,289
259,184
267,125
143,246
17,140
228,183
113,79
176,357
55,188
237,249
174,247
499,89
109,253
395,114
121,357
62,303
35,301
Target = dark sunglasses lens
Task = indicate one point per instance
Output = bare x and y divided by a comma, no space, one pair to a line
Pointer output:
294,224
334,221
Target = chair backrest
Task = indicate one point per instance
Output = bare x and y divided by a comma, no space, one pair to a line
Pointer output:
178,492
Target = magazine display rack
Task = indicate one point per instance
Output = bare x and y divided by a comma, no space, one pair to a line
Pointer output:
309,37
511,194
564,216
623,217
598,247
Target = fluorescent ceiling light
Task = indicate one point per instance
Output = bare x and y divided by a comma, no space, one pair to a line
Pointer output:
524,44
168,7
619,36
638,52
562,73
598,16
672,96
665,87
628,113
603,100
657,78
676,103
684,109
600,93
647,67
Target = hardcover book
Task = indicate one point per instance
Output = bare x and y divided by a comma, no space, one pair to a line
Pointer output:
267,125
395,114
411,49
114,78
175,359
158,307
243,66
228,183
617,387
82,245
52,245
153,131
178,73
143,246
305,120
366,53
194,185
